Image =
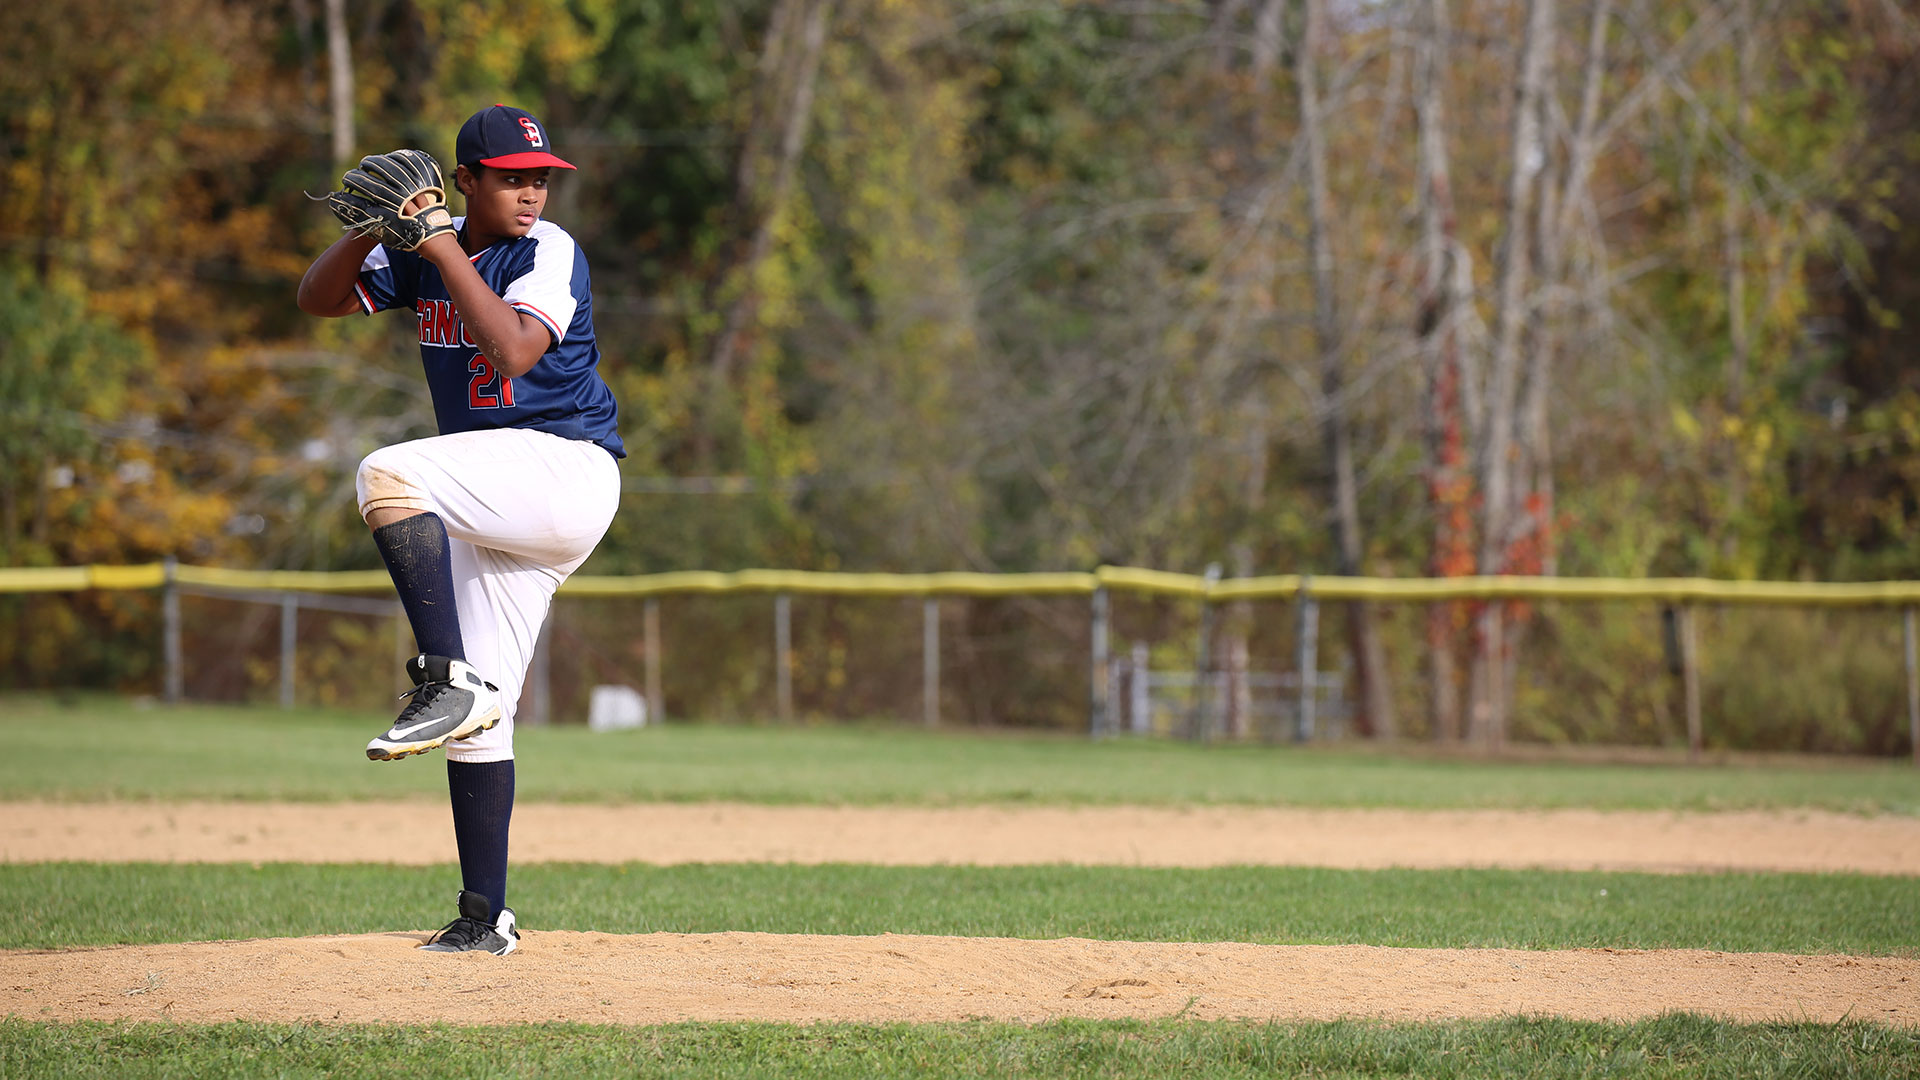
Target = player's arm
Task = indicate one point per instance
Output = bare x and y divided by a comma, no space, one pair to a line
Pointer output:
327,288
513,341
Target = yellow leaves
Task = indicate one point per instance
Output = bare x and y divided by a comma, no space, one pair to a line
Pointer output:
1752,438
1685,424
134,508
488,46
1756,450
1906,416
774,279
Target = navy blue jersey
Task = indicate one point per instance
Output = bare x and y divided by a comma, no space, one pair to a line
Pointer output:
543,274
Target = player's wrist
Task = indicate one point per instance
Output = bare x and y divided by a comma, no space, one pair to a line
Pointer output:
441,247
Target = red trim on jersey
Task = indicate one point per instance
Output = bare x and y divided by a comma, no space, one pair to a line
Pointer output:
531,159
544,318
366,298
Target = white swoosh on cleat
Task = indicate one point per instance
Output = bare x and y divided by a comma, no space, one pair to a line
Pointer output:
401,733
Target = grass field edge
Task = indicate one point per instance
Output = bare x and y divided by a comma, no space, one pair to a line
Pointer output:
1671,1044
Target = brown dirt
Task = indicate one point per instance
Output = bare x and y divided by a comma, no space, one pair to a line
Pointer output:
986,836
657,978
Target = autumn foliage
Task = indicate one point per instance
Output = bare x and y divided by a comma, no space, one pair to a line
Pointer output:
886,284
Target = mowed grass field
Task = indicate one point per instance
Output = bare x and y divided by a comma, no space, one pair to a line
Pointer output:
1670,1046
93,748
67,905
97,748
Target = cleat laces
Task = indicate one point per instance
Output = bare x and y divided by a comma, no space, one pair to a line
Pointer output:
423,697
461,932
424,694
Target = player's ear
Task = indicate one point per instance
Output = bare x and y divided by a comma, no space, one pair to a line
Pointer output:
463,179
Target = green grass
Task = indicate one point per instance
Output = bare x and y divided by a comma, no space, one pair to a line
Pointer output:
59,905
1677,1045
99,748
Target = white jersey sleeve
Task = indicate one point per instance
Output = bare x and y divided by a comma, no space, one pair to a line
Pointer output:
380,285
546,290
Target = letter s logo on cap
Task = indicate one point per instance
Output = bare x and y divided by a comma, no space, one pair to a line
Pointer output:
533,130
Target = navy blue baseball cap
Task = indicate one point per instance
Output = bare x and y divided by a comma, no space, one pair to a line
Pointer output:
503,137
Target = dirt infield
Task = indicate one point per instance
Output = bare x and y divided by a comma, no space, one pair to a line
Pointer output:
979,835
658,978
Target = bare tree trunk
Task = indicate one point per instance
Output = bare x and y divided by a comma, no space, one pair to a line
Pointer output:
1734,219
788,86
303,34
1527,551
1533,548
1732,225
1738,349
764,199
770,88
1527,154
340,80
1449,485
1553,237
1376,710
1267,38
1246,144
1226,14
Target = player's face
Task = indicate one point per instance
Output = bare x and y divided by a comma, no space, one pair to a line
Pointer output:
504,202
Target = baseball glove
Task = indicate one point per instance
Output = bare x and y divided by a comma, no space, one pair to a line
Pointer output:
374,202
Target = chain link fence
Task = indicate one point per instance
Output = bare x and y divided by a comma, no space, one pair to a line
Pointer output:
1115,653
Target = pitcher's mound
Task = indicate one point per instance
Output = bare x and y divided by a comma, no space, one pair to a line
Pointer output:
659,978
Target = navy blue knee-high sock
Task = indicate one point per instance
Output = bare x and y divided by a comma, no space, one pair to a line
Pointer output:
482,794
417,556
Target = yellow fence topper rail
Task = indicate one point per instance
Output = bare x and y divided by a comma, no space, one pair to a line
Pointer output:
1112,578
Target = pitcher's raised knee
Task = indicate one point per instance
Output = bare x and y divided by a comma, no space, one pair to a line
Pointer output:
386,481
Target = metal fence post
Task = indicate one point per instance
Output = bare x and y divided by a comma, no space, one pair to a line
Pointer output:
1097,681
541,675
1913,683
1239,694
783,655
1307,660
1202,722
289,639
175,687
1690,677
930,661
1140,691
650,626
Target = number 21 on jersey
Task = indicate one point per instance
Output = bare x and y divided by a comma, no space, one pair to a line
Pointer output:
481,392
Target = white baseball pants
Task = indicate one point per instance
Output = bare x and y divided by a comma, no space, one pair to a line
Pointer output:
523,510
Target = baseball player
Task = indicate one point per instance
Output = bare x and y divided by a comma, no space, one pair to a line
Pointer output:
480,524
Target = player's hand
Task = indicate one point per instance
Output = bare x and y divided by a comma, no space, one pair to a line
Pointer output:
444,238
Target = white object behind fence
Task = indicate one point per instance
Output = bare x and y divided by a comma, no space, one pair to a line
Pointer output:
616,708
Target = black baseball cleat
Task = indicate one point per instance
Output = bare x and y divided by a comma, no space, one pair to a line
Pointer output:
472,932
448,701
